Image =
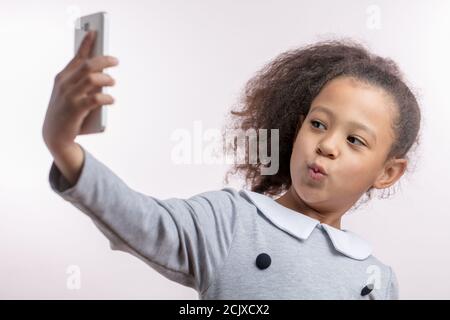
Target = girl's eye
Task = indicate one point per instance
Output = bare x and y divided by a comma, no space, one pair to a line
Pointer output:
358,140
313,122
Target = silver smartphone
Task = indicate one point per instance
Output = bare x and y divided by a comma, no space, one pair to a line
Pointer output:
95,122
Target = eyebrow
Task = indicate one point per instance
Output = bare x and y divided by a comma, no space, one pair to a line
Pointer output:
353,123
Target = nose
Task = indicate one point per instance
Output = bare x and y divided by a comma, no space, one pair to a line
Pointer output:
328,147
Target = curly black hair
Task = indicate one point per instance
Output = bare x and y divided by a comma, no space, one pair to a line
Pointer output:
282,91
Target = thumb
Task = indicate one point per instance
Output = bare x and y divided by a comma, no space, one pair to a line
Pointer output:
86,46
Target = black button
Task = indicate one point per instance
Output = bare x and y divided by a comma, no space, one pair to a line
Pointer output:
367,289
263,261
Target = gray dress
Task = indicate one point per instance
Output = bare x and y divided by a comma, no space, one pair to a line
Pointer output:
229,244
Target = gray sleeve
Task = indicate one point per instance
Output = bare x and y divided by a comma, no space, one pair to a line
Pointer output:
186,240
392,289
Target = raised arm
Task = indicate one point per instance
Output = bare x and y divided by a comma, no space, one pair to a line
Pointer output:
186,240
76,92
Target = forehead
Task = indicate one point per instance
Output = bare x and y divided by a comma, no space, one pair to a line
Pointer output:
350,100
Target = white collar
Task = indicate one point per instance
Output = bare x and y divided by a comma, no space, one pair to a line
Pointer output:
301,226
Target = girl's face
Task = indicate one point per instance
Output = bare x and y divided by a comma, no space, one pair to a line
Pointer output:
348,132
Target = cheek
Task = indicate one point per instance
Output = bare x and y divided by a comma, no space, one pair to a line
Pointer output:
298,152
298,161
306,140
355,167
352,165
303,149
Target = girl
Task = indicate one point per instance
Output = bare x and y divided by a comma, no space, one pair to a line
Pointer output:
346,122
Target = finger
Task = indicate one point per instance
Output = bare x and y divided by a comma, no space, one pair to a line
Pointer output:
90,82
95,64
95,90
93,101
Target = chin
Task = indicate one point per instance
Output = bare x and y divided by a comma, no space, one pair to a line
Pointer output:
307,194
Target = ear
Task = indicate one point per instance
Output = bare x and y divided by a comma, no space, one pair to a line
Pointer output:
391,172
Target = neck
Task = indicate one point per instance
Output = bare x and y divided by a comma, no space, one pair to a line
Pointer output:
292,201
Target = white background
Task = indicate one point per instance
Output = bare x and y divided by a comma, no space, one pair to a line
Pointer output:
183,61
